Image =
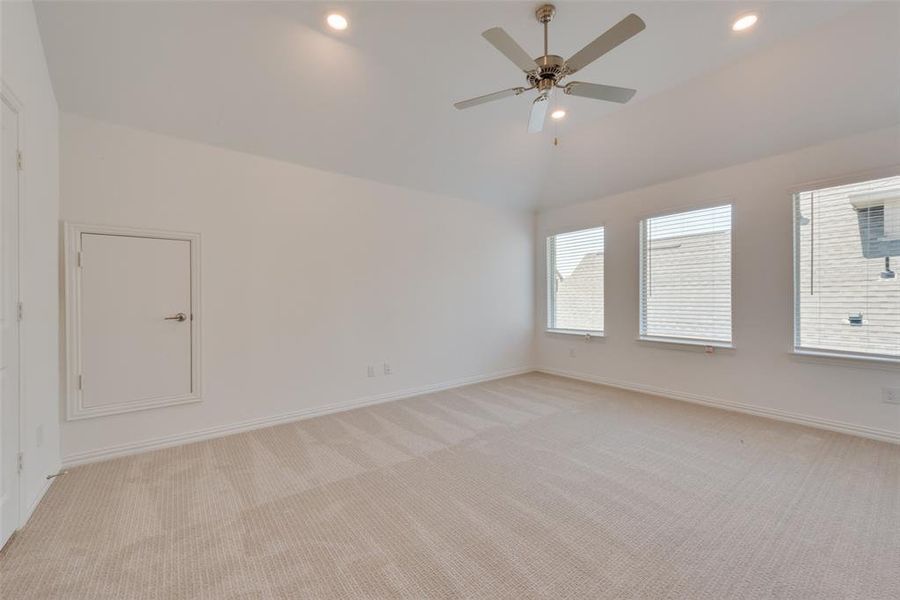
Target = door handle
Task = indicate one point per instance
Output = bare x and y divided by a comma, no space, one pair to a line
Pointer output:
179,317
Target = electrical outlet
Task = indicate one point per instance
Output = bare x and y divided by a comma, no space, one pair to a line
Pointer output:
370,371
387,369
891,395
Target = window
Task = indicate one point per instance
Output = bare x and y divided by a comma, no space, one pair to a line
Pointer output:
575,281
846,292
686,276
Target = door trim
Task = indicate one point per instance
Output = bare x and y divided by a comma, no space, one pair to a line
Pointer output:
75,408
7,95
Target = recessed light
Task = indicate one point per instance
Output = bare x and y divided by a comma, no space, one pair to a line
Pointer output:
558,114
745,22
336,21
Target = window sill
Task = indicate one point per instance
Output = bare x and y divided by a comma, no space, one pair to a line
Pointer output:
689,343
578,332
847,360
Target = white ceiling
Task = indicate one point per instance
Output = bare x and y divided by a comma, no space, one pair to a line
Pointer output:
375,101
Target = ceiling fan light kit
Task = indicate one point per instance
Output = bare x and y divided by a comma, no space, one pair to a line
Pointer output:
546,72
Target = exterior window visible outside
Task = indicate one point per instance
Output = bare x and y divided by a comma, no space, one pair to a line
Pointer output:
846,289
575,281
686,276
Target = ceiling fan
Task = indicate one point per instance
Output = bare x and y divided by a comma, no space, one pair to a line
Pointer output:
545,73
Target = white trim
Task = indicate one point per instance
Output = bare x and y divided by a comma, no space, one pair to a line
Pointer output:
549,280
848,359
685,342
846,179
884,435
7,95
109,452
585,333
717,202
563,229
642,267
72,241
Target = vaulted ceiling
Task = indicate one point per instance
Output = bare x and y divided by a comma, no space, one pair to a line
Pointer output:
375,101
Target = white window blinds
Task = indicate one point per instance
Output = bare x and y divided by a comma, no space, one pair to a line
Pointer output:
847,294
686,276
575,280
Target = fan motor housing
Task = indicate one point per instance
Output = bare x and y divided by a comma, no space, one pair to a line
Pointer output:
550,67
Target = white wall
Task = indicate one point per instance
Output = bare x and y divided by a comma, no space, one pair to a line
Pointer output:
24,71
307,277
760,373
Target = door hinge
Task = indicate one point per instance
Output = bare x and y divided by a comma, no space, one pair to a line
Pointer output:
20,160
20,461
79,384
19,312
79,258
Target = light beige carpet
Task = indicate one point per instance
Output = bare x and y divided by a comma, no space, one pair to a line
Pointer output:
529,487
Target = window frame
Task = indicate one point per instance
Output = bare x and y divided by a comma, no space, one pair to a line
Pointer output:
683,341
829,355
548,281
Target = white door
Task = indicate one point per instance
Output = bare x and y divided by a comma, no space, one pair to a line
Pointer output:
135,322
9,326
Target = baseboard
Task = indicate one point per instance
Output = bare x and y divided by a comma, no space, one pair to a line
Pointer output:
100,454
111,452
884,435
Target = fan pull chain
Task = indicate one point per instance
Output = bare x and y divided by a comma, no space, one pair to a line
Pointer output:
555,134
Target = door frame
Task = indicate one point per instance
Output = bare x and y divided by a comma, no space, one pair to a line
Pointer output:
8,96
75,408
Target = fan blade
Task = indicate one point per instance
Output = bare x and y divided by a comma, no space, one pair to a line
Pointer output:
621,32
610,93
501,40
538,113
488,98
